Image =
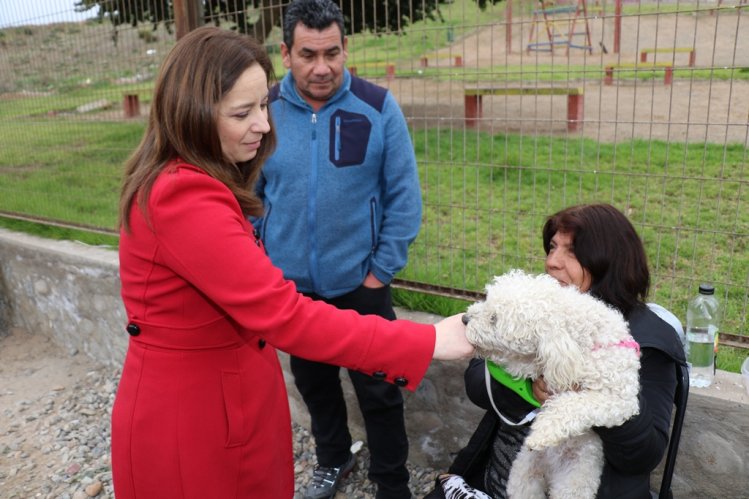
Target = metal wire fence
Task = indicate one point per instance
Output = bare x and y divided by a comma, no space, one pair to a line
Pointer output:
516,110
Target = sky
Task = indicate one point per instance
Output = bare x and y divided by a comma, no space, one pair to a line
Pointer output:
21,12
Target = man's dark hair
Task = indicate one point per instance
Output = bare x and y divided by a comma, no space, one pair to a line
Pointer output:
606,245
314,14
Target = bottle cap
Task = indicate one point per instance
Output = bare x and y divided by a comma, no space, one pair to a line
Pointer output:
706,289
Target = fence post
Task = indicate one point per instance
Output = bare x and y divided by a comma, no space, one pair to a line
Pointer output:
508,27
668,76
187,16
617,25
608,78
472,113
390,71
131,105
575,112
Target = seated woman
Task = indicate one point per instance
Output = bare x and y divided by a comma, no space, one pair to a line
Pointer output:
595,248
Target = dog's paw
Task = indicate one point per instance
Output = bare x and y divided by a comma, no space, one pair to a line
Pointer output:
538,440
550,430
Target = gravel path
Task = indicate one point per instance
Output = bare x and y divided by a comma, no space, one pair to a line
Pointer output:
54,428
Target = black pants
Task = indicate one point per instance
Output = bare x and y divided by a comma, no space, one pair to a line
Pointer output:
381,405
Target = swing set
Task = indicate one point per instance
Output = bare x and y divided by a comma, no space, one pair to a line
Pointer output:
559,22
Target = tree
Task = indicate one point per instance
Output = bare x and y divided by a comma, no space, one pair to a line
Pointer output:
482,3
258,17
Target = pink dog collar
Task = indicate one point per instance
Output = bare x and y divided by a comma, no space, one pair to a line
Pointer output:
630,343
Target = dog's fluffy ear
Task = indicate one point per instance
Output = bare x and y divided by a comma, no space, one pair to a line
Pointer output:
561,359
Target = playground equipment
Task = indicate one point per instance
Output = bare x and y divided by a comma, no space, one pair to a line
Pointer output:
388,66
669,50
633,68
457,60
575,105
559,22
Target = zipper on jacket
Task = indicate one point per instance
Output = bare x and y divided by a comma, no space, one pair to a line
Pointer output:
337,138
372,223
265,222
312,206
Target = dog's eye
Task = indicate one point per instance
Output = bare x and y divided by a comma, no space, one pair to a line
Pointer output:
493,319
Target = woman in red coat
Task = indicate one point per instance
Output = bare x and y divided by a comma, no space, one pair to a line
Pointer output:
201,409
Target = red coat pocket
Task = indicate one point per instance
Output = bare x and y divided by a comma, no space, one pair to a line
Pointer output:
235,421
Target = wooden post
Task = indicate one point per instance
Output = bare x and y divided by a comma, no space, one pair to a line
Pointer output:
617,25
575,110
390,71
472,113
608,79
508,26
130,105
187,16
424,61
692,57
458,61
643,56
668,76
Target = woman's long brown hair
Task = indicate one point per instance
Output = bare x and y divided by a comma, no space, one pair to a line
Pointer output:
199,70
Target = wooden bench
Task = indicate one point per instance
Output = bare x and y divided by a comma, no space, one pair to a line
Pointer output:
668,74
457,60
389,68
473,97
669,50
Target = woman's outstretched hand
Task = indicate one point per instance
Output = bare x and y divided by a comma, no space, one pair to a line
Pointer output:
451,341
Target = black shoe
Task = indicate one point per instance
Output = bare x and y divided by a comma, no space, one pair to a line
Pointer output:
325,480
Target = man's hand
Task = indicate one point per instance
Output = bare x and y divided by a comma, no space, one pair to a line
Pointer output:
372,282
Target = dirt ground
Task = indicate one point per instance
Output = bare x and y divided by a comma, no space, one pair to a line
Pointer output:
42,393
694,110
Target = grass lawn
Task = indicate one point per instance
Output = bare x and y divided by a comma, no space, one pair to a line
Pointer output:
485,196
485,200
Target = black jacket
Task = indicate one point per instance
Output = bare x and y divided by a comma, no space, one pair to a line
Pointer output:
632,450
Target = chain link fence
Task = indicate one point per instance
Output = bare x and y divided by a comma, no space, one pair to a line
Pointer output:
516,110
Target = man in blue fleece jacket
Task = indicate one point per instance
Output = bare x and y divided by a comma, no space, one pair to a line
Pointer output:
342,204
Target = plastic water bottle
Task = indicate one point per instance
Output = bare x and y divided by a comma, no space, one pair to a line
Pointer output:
702,329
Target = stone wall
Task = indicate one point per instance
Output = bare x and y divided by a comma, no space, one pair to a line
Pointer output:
65,290
69,293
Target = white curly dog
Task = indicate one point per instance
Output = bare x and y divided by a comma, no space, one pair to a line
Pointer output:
533,326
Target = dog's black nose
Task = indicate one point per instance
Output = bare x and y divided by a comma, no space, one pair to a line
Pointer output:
465,319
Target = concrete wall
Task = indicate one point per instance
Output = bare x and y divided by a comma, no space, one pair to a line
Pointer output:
69,292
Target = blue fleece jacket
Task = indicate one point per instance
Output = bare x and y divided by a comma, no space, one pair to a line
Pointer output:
341,192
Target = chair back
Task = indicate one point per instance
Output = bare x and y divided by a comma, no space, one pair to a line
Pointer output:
680,401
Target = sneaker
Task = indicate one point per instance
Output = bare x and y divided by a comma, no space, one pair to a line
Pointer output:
325,480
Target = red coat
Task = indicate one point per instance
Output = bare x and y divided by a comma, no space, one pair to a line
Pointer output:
201,409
